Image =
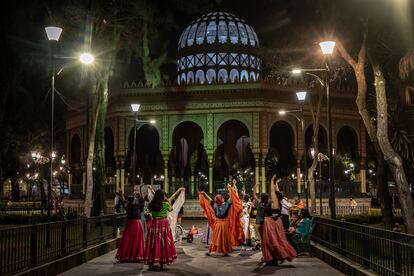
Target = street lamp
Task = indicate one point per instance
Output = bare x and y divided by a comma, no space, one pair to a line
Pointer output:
135,109
86,58
327,48
301,96
53,34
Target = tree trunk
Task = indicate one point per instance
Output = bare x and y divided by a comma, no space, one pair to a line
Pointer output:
312,187
359,70
383,192
100,175
393,159
89,162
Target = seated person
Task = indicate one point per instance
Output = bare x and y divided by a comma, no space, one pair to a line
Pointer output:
303,225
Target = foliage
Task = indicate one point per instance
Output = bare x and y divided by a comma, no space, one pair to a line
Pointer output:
344,167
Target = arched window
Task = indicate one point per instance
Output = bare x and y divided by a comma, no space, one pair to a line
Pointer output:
243,33
199,78
211,76
244,76
211,32
250,34
184,38
252,76
191,35
178,80
234,75
233,33
222,75
222,32
190,77
201,33
183,78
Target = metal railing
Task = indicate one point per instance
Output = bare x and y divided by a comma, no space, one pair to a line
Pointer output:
385,252
25,247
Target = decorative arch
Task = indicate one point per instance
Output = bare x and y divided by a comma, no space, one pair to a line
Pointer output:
199,77
190,77
242,117
234,75
222,75
347,142
198,120
211,76
244,76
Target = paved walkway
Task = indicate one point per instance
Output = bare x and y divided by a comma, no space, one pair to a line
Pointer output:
192,261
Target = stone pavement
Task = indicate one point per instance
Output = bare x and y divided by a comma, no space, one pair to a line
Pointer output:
192,261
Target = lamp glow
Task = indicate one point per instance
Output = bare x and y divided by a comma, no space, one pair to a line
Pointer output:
152,122
296,71
135,107
53,33
86,58
282,112
327,47
301,95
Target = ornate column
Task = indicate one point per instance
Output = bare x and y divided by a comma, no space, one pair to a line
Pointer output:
166,177
263,175
122,176
70,182
256,175
298,177
363,175
210,175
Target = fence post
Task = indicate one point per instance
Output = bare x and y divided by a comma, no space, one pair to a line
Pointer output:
101,227
114,228
397,253
365,246
63,238
33,245
85,232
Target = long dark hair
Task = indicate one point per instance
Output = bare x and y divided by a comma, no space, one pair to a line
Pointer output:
264,199
156,203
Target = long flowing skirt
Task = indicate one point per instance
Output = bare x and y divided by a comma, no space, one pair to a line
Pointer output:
131,247
160,248
275,246
220,242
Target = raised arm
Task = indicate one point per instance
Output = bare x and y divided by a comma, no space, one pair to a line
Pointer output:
176,194
206,196
273,197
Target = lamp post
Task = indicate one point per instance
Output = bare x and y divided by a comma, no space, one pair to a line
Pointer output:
301,96
53,35
135,109
327,48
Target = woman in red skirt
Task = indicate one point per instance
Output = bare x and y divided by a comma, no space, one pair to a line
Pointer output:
275,246
160,248
225,221
131,247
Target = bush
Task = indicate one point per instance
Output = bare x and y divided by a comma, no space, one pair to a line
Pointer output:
14,219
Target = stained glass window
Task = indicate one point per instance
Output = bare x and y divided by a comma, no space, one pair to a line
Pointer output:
190,77
211,32
233,33
222,32
244,76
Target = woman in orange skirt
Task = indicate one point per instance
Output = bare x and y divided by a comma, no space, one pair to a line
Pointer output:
224,218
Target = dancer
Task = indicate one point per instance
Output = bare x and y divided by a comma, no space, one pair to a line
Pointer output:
275,246
247,206
160,248
222,218
131,247
179,198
